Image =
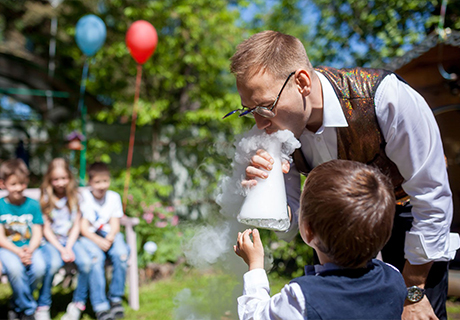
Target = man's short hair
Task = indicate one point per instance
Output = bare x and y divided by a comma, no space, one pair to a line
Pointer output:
269,51
15,167
349,207
98,168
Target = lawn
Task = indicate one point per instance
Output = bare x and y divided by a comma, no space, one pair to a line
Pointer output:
187,295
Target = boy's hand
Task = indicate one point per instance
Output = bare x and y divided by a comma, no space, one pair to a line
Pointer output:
110,237
251,252
25,255
104,244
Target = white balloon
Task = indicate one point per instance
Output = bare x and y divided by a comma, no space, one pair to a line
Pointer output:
150,247
55,3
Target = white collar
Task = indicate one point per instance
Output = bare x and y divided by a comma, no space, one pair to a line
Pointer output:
332,110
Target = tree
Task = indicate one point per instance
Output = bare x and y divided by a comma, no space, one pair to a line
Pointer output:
347,33
186,85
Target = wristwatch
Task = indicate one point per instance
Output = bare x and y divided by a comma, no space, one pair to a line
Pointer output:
415,294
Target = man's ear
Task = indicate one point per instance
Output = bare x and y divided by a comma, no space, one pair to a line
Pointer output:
303,82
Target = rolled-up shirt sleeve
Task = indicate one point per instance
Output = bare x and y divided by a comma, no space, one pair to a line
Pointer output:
413,143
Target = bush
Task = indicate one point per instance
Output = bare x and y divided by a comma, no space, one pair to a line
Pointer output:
148,201
160,223
289,258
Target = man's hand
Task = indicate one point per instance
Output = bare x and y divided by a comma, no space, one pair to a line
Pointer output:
421,310
251,252
260,163
415,275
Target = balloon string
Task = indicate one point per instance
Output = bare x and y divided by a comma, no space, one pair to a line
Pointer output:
83,111
132,135
84,76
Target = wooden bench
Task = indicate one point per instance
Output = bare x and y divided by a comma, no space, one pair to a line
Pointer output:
128,223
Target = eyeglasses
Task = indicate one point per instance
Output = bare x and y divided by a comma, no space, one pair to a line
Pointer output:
266,112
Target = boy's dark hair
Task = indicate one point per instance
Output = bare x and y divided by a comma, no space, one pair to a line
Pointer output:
349,207
98,168
15,167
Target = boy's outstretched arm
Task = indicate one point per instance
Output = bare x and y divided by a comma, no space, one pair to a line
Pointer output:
256,303
251,252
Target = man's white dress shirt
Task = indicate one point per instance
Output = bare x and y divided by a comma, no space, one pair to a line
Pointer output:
413,143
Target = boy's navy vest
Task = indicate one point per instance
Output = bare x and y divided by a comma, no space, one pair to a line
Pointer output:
376,292
362,140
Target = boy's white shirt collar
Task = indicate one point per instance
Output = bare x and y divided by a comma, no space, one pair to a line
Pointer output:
332,110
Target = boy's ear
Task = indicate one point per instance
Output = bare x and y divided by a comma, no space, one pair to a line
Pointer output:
2,184
309,233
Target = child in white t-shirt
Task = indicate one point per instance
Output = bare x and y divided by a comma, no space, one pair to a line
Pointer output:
102,209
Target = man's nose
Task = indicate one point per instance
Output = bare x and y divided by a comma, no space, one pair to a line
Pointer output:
261,122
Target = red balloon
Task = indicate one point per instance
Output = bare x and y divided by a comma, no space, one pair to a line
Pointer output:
141,40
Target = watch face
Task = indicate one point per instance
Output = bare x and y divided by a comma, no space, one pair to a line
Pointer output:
415,294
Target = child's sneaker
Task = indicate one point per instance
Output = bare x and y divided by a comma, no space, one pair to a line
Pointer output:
104,315
117,310
13,315
27,317
73,311
42,313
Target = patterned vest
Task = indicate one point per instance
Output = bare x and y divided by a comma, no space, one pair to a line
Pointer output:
362,140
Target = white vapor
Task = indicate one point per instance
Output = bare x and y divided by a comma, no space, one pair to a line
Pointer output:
212,244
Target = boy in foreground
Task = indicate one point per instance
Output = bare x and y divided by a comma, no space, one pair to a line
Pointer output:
100,227
346,215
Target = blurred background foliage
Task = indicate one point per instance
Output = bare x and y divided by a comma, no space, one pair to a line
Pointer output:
182,145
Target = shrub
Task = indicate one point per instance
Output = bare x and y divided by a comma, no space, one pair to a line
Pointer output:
148,201
289,258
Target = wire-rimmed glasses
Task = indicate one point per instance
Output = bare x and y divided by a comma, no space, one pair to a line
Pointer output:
266,112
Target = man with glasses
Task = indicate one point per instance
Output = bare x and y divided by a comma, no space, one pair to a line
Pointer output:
365,115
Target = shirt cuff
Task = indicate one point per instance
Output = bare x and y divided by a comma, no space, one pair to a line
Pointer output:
417,252
293,229
254,280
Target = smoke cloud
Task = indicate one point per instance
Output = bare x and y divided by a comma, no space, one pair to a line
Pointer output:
212,244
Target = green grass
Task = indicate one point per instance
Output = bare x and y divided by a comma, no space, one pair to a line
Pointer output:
187,295
204,295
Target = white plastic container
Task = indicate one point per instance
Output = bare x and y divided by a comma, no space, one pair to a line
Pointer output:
265,204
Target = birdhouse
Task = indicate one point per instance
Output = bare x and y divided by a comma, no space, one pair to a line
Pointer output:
74,140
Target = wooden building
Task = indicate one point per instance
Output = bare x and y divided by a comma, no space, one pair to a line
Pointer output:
433,69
